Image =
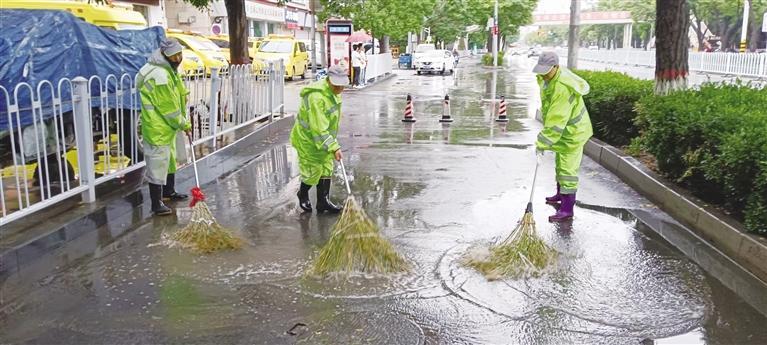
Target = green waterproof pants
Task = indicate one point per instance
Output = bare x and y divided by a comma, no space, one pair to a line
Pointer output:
315,167
567,164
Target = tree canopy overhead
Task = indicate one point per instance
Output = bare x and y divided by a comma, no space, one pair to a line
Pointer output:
447,19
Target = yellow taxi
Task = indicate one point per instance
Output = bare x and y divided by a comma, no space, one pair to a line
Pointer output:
222,41
112,16
253,44
288,49
192,63
207,51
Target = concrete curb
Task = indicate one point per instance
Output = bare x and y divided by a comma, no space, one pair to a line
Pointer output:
719,230
374,81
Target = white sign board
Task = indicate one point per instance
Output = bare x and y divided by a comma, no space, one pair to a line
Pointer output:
339,51
764,22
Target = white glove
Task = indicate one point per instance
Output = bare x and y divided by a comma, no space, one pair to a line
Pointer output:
539,153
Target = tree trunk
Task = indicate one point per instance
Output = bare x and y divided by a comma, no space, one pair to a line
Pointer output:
755,38
324,51
672,42
238,32
384,44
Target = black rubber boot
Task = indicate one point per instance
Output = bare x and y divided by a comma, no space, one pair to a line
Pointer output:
323,198
169,190
303,197
158,207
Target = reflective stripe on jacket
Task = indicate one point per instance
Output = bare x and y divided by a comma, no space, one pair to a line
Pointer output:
163,101
316,127
566,122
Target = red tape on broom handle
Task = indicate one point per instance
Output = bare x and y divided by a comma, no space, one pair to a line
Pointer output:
197,194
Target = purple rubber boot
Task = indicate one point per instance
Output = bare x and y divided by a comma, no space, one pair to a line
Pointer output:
565,211
553,200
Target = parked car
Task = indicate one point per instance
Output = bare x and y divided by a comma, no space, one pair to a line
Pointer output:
438,60
253,44
317,49
534,51
291,51
191,64
422,49
222,41
206,50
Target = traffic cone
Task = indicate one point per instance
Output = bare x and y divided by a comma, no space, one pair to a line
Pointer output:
446,110
502,111
409,110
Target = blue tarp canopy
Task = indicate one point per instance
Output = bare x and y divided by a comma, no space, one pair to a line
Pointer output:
51,45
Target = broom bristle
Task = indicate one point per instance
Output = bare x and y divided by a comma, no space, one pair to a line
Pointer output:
204,234
523,252
355,245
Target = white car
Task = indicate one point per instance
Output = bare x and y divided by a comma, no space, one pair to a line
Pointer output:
421,50
438,60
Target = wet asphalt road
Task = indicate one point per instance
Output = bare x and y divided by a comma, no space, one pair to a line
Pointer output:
435,190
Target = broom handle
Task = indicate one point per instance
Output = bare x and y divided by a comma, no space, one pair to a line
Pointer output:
194,162
346,179
532,188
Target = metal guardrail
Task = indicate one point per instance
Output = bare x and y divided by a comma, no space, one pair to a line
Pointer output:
751,65
85,132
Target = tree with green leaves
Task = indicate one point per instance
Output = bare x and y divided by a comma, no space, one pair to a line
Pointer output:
238,28
382,18
642,12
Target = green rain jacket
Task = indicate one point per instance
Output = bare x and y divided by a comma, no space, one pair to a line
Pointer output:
163,102
316,128
566,122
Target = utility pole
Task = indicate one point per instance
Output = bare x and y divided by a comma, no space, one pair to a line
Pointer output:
573,40
495,35
744,29
313,31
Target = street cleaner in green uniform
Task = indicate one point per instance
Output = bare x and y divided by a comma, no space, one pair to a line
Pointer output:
566,128
163,115
314,137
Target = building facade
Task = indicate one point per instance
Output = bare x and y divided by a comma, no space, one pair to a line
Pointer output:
264,18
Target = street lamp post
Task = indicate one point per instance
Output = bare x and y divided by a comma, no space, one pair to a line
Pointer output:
495,35
744,29
495,62
314,36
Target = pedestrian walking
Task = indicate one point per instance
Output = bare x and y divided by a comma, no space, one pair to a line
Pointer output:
566,128
163,115
356,64
363,69
314,138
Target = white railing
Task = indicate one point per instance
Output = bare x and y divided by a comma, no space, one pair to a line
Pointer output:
740,64
238,95
64,139
379,65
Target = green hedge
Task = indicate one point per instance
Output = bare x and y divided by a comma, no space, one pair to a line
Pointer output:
487,59
611,104
713,141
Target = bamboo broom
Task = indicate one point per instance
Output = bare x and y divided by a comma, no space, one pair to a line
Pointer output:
356,245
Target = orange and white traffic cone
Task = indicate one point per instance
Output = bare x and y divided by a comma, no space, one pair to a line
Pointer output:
502,111
446,110
409,110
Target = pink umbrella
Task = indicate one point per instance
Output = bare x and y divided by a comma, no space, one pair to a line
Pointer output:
359,36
